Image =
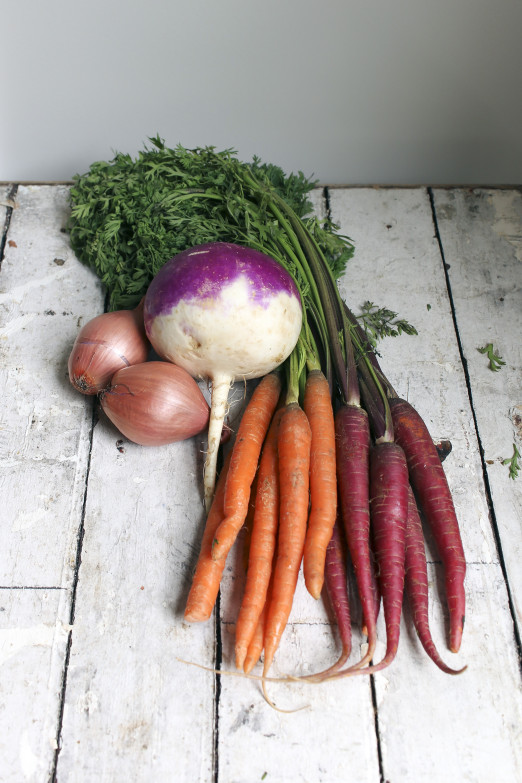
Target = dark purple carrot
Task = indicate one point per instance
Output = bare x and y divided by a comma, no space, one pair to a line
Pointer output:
433,494
336,584
389,511
353,454
416,583
336,581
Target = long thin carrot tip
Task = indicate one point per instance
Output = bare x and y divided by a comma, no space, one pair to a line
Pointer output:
249,664
456,637
314,585
241,653
195,617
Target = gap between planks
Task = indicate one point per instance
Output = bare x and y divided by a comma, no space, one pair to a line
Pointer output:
81,532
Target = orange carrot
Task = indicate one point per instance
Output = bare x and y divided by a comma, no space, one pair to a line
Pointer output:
262,542
255,648
294,442
207,577
243,465
317,405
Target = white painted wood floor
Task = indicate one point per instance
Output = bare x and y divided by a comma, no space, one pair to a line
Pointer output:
98,538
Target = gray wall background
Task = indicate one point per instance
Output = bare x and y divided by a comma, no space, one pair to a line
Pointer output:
351,92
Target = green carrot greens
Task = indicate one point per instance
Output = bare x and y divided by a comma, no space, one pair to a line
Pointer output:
129,216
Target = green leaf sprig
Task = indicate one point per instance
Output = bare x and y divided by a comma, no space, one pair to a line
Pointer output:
513,462
495,360
379,322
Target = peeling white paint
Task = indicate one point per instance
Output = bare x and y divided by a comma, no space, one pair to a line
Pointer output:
16,324
88,702
13,640
25,520
29,761
17,293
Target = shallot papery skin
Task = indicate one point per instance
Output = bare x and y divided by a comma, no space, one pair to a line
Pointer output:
106,344
155,403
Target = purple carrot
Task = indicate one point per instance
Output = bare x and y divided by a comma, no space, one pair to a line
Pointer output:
353,450
389,510
433,494
416,583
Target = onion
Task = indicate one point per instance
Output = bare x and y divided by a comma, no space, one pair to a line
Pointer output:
106,344
155,403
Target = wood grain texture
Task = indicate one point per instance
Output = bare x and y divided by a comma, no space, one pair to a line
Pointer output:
45,294
424,732
481,235
34,631
105,533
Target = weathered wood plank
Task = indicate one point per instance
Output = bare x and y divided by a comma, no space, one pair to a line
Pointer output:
33,639
44,295
330,738
398,264
437,728
133,711
481,235
44,444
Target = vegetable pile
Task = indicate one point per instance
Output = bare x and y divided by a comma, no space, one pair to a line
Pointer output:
329,467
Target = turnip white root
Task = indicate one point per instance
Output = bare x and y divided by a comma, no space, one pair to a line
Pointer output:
222,312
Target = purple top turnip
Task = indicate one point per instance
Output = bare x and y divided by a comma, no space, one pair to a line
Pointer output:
224,312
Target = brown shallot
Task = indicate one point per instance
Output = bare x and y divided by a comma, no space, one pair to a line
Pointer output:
106,344
155,403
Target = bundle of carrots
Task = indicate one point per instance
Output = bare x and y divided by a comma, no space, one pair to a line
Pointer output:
329,461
